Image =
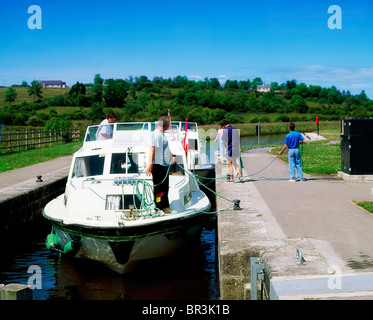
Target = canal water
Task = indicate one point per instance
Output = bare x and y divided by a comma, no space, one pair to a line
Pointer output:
190,276
248,141
262,140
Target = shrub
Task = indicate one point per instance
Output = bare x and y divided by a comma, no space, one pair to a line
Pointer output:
282,118
58,122
35,121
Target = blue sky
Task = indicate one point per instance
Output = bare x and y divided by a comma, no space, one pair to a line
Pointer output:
231,39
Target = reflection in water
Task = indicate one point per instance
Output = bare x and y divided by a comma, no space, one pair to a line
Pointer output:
191,275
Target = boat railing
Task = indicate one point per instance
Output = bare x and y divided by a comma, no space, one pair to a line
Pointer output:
122,131
131,133
182,126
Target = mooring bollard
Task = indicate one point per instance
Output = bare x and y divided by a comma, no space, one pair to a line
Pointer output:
16,291
236,204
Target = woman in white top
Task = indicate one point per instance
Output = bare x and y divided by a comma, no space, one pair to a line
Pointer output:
220,141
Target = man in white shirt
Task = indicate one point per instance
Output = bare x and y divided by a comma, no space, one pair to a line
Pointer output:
105,130
159,160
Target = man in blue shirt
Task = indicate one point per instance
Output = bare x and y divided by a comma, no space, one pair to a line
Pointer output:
292,141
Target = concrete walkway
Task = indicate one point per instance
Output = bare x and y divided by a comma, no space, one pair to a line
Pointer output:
278,216
319,208
16,176
18,181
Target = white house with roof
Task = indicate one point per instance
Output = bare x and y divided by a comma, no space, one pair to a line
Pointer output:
53,83
263,87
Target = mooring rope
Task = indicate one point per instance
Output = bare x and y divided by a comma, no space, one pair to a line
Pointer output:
147,196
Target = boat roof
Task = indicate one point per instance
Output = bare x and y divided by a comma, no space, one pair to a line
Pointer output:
136,133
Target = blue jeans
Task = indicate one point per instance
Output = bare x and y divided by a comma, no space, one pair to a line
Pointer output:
295,161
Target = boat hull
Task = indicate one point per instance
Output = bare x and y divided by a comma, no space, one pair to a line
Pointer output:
122,249
204,173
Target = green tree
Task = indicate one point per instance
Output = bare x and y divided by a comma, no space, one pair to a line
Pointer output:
253,104
231,84
35,90
98,88
58,122
256,82
132,92
323,93
10,95
180,82
301,89
115,92
244,85
97,112
362,96
240,102
78,94
298,104
35,121
314,91
334,97
142,100
275,86
291,84
214,83
142,82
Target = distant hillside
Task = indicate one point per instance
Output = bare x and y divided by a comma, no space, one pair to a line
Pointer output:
207,102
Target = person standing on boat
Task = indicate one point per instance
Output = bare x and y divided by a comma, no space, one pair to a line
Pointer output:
159,160
292,141
231,139
105,130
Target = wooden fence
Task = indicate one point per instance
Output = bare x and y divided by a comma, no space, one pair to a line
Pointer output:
19,141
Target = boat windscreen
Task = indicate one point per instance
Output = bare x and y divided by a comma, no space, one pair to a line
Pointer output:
88,166
127,162
129,126
93,132
191,126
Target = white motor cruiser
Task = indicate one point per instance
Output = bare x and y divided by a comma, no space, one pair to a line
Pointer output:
107,212
194,144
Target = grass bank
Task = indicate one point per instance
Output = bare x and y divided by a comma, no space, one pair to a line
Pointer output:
23,96
320,157
329,128
27,158
366,205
